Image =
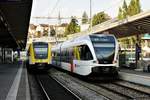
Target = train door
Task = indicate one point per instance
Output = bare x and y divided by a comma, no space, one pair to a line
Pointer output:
83,60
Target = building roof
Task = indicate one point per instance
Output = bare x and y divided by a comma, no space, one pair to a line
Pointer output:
14,22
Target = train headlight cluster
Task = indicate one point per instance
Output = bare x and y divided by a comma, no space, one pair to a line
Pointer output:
114,61
96,61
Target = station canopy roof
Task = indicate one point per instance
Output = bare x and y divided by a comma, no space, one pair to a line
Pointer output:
137,24
14,22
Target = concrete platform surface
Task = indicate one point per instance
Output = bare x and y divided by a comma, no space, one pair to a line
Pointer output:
14,82
139,77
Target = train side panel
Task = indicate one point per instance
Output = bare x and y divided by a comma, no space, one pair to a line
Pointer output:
80,56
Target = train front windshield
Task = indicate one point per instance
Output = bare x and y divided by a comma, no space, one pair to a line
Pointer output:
104,47
41,50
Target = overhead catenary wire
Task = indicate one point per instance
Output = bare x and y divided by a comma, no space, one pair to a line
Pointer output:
58,1
53,9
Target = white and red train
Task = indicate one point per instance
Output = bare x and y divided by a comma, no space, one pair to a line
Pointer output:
94,54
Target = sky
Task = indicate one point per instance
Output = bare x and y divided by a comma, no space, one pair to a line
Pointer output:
69,8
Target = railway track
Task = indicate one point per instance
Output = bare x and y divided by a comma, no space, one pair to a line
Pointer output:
127,91
115,90
77,83
137,87
54,90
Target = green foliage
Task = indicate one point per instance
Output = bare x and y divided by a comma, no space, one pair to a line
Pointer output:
132,9
99,18
45,32
38,34
72,27
120,15
138,6
60,35
125,9
52,31
84,18
133,39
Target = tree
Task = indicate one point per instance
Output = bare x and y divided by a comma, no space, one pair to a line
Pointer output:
138,6
52,31
120,15
84,18
72,27
131,8
134,7
45,32
125,9
38,34
99,18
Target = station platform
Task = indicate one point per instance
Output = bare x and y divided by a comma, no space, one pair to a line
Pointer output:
135,76
14,82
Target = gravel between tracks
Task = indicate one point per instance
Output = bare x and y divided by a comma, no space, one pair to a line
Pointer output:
85,90
134,94
135,86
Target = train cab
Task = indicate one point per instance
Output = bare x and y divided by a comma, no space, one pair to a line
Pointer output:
39,55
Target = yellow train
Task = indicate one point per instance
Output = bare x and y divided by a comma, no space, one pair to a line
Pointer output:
39,55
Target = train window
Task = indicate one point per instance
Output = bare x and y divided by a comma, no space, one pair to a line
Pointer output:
67,55
63,55
66,58
55,54
70,52
85,53
58,54
67,52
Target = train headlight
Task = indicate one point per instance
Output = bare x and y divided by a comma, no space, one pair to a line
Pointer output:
114,61
96,61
